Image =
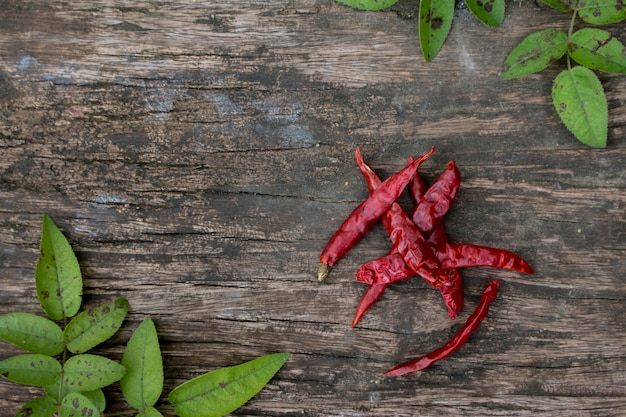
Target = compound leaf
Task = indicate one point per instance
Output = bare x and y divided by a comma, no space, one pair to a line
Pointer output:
38,407
602,12
222,391
490,12
88,372
368,4
57,276
31,369
77,405
596,49
142,383
94,326
33,333
579,100
435,22
534,53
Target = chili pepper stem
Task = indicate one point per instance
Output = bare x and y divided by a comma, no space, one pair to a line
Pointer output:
322,271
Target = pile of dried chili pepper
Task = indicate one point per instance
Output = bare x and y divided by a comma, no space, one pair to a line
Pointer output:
420,247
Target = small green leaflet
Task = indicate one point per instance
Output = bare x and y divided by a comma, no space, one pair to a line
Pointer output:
149,412
596,49
38,407
534,53
368,4
92,327
435,22
222,391
142,383
31,369
602,12
96,396
561,5
32,333
57,276
88,372
490,12
579,100
76,405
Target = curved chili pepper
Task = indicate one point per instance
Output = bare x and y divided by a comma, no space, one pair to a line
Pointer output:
391,268
472,323
372,294
448,182
406,237
365,216
437,200
461,255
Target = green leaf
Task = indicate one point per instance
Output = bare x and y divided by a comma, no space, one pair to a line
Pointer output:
150,412
77,405
32,369
561,5
579,100
434,25
490,12
602,12
535,53
33,333
90,372
94,326
222,391
596,49
58,279
142,383
368,4
38,407
96,396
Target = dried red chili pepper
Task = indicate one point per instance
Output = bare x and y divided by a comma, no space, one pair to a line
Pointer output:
366,215
435,203
472,323
391,268
406,237
372,294
448,182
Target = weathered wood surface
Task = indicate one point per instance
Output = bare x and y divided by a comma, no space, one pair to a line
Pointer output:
198,155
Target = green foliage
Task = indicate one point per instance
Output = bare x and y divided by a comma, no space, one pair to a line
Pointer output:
94,326
58,279
577,93
31,369
143,383
32,333
434,25
368,4
580,102
223,391
73,383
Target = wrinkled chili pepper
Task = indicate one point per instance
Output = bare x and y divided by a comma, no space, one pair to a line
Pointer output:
406,237
435,203
365,216
452,289
446,188
472,323
391,268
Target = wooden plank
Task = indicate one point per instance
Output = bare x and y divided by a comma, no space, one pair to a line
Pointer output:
198,156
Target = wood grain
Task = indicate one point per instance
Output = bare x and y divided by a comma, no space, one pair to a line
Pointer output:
198,155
